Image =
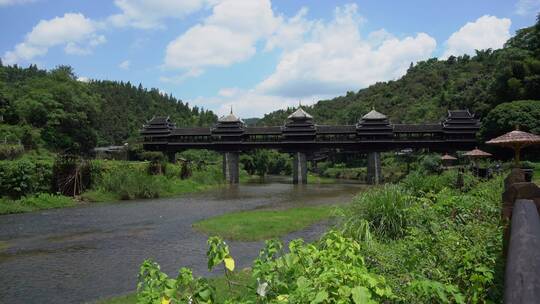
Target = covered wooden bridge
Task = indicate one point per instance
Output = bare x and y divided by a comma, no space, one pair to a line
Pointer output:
302,137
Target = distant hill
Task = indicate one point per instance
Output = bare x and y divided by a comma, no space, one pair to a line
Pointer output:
52,109
251,121
431,87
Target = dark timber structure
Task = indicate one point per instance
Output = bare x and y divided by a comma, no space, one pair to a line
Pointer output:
301,137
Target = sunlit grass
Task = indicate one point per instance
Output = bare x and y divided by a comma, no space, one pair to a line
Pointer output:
263,224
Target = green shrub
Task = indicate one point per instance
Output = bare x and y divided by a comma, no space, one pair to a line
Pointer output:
419,182
10,151
24,177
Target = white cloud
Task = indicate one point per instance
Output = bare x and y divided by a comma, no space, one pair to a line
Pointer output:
83,79
125,65
290,33
76,32
335,58
14,2
486,32
178,79
227,36
527,7
149,14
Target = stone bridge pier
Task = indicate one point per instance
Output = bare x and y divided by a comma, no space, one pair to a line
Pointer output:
231,167
299,168
374,172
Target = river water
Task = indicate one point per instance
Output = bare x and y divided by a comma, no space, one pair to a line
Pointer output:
85,253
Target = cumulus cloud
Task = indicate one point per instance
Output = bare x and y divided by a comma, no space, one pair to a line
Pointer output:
486,32
76,32
227,36
335,58
149,14
527,7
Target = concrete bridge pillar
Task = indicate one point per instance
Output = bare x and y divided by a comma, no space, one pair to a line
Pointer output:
231,167
299,168
374,173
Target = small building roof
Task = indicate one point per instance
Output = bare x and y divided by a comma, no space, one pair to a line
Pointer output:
374,115
300,114
477,153
448,157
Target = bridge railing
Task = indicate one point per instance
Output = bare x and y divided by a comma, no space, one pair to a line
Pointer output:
520,210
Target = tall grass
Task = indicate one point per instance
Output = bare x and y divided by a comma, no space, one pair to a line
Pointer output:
384,208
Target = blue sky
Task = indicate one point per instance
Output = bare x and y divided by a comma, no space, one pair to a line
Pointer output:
256,55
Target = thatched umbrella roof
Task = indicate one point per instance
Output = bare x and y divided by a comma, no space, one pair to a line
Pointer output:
515,140
448,157
477,153
516,137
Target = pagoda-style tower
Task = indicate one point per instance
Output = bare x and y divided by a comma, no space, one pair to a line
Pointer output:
230,129
374,126
157,131
459,125
299,128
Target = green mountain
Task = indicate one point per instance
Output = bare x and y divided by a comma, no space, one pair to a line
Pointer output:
52,109
429,88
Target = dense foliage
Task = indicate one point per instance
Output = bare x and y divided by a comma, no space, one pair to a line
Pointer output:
431,87
396,244
54,110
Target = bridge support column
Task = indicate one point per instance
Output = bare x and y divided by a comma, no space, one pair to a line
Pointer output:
231,167
374,173
299,168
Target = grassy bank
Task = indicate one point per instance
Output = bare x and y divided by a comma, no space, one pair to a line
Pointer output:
263,224
40,201
27,183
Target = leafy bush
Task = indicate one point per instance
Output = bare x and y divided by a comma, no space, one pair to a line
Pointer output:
10,151
451,249
24,177
419,182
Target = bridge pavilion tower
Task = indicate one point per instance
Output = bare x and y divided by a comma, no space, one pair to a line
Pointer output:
230,130
301,130
374,126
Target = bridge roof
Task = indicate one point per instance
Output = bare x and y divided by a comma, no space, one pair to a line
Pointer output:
191,131
263,130
322,129
418,128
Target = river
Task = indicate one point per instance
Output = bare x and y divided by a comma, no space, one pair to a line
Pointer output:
93,251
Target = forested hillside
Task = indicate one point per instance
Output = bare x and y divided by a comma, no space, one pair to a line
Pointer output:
430,87
52,109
